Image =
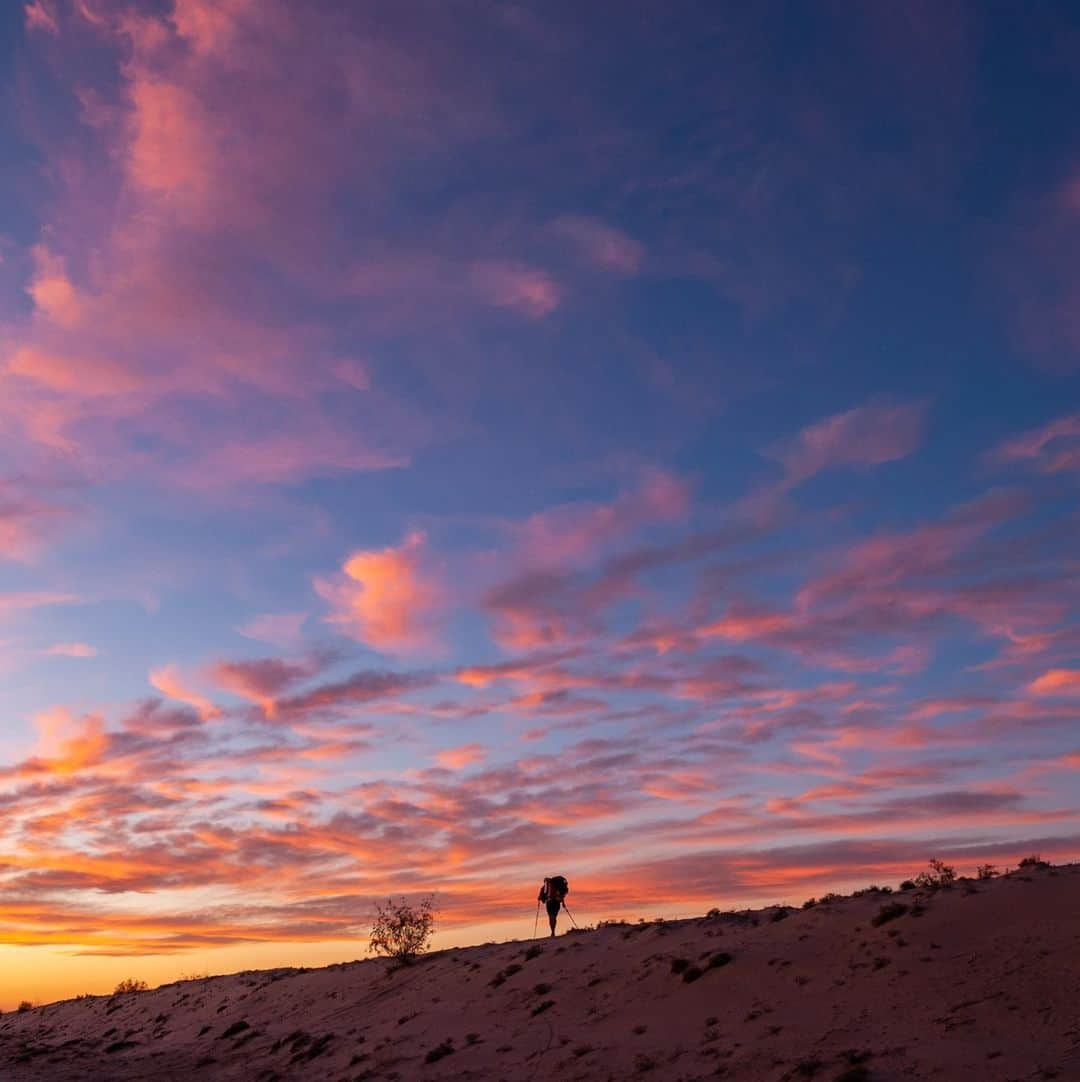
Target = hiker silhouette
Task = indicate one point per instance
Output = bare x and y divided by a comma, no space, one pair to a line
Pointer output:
553,893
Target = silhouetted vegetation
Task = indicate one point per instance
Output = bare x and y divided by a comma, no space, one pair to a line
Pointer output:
129,985
940,876
986,871
440,1051
1034,861
402,931
887,913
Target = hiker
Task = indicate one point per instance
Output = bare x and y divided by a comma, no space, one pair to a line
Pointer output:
552,894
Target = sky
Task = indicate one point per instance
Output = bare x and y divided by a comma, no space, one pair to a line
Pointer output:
446,443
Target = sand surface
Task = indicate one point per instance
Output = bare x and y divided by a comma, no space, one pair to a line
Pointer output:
983,984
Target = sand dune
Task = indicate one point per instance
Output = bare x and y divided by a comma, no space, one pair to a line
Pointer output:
981,981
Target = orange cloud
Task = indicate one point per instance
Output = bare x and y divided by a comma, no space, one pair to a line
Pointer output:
171,684
387,597
67,745
466,755
1057,682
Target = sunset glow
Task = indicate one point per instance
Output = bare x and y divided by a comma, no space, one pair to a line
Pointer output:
446,445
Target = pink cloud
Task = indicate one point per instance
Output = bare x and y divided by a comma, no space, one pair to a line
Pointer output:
1053,448
1038,279
865,436
29,516
461,757
72,649
543,598
282,629
264,680
39,16
601,245
389,597
528,290
170,682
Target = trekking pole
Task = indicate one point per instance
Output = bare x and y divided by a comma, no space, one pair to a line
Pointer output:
570,915
537,921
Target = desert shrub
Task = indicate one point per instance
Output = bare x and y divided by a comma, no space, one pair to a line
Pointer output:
887,913
1034,861
400,930
25,1005
872,889
809,903
908,884
713,914
986,871
129,984
440,1051
857,1073
939,876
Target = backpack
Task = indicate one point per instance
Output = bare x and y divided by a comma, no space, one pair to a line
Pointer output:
557,887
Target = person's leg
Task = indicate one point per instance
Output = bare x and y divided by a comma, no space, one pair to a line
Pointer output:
553,914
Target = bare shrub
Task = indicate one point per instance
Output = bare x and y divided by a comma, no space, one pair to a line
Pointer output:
129,984
1034,861
400,930
986,871
939,877
25,1005
887,913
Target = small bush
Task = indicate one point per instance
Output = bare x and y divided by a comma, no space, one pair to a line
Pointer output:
908,884
887,913
872,889
939,877
858,1073
25,1005
1034,861
809,903
986,871
440,1051
402,931
129,985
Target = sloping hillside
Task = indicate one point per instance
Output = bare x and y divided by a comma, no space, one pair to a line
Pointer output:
981,981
